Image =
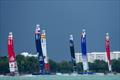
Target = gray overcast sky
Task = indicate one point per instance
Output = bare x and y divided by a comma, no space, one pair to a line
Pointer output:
59,19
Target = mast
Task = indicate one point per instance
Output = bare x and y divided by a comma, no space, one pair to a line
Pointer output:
107,45
39,49
84,51
72,50
44,49
11,55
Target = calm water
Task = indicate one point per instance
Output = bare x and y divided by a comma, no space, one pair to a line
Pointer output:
54,77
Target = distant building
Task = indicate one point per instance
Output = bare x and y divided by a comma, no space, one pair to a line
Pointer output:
97,55
26,54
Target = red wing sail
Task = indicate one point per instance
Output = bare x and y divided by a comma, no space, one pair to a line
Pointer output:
11,55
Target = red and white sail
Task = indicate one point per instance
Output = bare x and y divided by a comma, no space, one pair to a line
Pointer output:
107,45
44,50
11,55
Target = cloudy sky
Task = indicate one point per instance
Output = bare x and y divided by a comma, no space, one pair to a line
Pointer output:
59,19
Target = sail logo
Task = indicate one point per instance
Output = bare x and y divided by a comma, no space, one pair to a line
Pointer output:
83,39
71,43
36,36
9,42
40,58
43,36
12,65
107,43
12,58
83,34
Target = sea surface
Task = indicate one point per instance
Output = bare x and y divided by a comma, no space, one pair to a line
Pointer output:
62,77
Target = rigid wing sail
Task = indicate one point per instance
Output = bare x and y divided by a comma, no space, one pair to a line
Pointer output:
107,45
72,50
44,49
11,56
84,51
39,49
